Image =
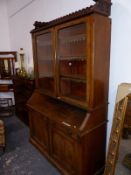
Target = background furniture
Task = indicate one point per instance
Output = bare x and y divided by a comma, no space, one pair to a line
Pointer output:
2,135
7,62
68,110
23,89
6,87
7,71
6,107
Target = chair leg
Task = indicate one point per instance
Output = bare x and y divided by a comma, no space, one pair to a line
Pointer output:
4,149
6,105
2,135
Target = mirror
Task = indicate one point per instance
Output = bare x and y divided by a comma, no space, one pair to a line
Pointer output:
7,61
118,160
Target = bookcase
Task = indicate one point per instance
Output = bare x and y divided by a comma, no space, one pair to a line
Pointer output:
68,109
72,60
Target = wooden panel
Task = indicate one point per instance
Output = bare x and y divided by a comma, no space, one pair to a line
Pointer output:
65,151
75,137
99,60
75,72
39,129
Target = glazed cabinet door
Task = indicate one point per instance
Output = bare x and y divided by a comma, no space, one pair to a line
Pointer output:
39,130
44,62
72,53
65,151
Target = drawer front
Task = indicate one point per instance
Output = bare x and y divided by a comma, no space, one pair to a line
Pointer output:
66,129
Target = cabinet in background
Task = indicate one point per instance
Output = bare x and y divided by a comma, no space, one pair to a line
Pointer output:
23,89
7,64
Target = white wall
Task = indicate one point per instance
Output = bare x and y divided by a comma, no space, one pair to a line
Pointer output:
4,28
4,39
120,63
22,15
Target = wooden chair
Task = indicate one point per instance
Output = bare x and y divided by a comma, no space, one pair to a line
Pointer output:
6,107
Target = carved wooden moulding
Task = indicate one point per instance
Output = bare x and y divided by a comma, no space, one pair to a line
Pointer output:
102,7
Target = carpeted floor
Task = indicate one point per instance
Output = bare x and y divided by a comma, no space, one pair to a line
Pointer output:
125,148
21,157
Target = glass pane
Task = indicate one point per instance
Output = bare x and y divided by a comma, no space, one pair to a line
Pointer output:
45,62
5,69
73,68
72,51
72,55
73,89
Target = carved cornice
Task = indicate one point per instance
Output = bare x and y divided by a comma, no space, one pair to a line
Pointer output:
102,7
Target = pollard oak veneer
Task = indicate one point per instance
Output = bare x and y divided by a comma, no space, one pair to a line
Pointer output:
68,109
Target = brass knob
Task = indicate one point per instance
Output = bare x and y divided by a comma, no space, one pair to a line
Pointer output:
112,153
117,131
115,140
111,162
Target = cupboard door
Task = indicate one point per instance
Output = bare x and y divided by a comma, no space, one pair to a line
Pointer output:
45,62
39,129
65,151
72,56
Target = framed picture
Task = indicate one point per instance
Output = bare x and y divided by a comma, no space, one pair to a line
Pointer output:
122,97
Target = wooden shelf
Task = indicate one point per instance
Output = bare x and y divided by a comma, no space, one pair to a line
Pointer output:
76,39
73,78
73,57
6,88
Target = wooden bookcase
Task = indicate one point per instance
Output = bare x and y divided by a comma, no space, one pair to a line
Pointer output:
68,109
7,64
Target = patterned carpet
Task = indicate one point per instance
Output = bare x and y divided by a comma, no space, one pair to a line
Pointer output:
20,157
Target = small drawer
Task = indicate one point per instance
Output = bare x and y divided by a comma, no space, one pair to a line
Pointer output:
66,129
4,88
